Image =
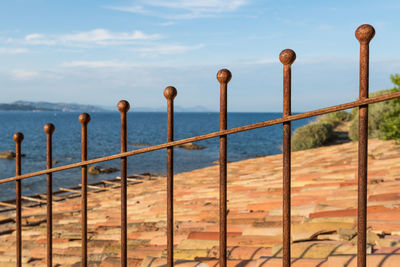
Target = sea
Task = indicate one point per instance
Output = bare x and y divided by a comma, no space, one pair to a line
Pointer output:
144,128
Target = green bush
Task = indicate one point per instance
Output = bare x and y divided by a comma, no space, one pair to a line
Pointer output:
311,135
319,132
383,117
334,118
390,126
383,122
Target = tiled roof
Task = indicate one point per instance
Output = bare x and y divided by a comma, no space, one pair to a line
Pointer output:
324,201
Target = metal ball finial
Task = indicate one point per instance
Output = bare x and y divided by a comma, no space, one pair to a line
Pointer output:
18,137
84,118
365,33
224,76
170,92
287,57
123,106
49,128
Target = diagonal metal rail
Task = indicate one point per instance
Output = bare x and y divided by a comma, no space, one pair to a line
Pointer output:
248,127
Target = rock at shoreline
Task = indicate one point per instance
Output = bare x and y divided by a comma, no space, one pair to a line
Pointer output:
191,146
9,155
96,170
108,170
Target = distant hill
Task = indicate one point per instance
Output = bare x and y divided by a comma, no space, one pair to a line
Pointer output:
47,106
71,107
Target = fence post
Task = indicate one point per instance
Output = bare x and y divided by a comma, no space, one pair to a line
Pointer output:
18,138
364,35
287,57
170,94
49,130
123,107
84,119
223,77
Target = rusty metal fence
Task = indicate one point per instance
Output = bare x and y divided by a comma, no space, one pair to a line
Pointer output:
364,34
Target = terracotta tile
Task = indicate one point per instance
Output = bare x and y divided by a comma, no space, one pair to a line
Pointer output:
210,235
242,253
384,197
324,197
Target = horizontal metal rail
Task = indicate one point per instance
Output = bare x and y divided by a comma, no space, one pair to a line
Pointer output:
211,135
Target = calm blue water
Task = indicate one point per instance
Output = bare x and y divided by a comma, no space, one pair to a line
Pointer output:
103,136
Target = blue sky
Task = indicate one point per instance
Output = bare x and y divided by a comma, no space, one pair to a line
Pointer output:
98,52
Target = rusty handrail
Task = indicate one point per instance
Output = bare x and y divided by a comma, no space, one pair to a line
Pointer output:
244,128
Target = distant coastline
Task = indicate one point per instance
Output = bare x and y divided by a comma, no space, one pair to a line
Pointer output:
47,106
73,107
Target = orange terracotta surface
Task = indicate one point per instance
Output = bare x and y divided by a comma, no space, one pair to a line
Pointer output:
324,210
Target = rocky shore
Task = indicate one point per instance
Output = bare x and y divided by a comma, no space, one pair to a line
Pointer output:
324,202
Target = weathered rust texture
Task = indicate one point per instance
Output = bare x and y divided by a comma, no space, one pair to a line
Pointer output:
170,94
364,35
18,138
287,57
49,130
223,77
123,107
84,119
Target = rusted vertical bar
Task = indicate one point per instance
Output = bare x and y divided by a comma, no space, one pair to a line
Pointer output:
18,138
364,35
223,77
123,107
287,57
49,130
84,119
170,93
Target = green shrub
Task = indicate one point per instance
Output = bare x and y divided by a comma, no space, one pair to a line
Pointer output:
395,80
382,117
383,122
334,118
390,126
311,135
319,132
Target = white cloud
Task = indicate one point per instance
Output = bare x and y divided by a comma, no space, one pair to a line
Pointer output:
13,51
23,74
96,64
167,49
182,9
132,9
39,39
96,36
210,6
103,36
144,51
